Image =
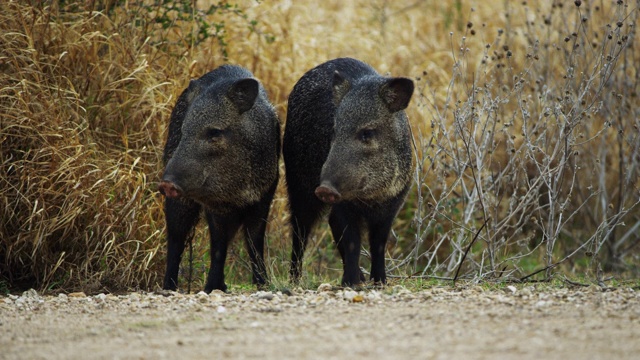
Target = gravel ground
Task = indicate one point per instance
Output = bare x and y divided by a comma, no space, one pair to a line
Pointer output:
394,323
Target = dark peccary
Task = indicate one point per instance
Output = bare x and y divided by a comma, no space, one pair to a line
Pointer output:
347,145
221,156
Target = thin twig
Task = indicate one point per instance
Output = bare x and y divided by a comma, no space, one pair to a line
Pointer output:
190,265
467,251
574,283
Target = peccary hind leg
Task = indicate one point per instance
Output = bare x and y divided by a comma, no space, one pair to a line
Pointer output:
181,217
303,217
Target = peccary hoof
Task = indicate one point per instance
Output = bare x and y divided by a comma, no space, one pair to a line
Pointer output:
328,194
169,189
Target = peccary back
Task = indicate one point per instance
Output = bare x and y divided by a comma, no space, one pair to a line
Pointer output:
221,156
347,145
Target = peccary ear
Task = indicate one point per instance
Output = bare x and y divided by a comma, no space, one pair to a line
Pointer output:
243,93
193,90
341,87
396,93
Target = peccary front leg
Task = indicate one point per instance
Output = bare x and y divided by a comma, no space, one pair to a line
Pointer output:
255,247
221,233
181,217
255,227
378,235
346,233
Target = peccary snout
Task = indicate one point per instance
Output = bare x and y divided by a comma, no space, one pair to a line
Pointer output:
169,189
328,193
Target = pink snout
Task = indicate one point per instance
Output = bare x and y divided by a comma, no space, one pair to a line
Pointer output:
169,189
328,194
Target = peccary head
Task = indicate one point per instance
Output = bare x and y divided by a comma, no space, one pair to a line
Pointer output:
227,152
370,156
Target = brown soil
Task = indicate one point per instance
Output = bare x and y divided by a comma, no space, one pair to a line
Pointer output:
437,323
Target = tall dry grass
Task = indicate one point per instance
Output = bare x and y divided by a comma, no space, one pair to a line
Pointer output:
524,120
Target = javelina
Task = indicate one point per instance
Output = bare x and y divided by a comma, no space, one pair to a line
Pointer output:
347,144
222,156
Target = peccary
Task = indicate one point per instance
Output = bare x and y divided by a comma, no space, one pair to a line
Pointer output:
347,146
221,156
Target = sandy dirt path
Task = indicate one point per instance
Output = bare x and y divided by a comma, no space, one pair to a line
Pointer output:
436,323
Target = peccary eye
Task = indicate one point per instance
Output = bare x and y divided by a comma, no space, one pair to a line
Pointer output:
366,135
213,134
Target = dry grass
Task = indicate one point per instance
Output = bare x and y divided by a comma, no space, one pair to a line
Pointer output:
526,136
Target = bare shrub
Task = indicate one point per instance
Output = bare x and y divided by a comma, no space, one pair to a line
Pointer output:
534,150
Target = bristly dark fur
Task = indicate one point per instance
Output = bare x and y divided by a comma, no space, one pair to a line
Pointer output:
348,137
221,156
